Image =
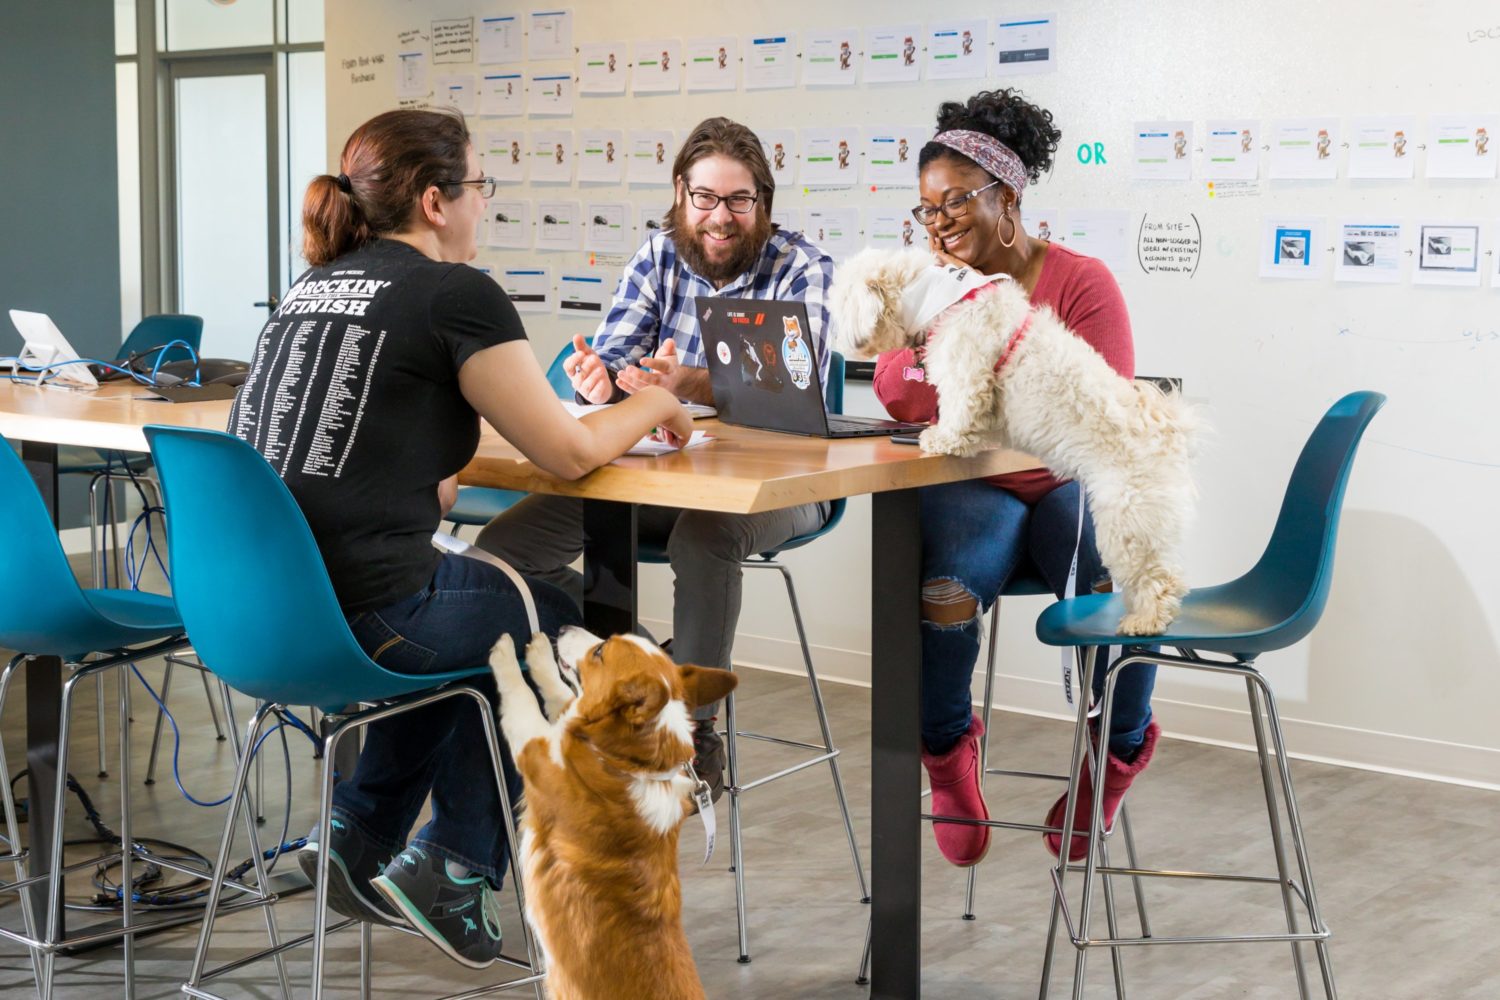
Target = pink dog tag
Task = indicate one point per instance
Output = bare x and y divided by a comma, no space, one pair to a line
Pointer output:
912,373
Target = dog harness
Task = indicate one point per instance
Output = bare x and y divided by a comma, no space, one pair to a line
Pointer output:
1011,343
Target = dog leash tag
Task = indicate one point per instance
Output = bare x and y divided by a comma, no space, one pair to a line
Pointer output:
705,802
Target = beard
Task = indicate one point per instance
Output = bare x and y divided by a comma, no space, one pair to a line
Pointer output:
742,250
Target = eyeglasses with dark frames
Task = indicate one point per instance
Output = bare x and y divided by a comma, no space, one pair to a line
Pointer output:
486,185
707,201
953,208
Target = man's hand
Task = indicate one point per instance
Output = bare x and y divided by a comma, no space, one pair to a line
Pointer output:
667,371
587,373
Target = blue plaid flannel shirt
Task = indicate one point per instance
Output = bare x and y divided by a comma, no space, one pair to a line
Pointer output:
654,299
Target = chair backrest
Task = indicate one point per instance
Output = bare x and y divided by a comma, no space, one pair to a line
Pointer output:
833,393
41,605
248,579
558,377
1294,573
154,331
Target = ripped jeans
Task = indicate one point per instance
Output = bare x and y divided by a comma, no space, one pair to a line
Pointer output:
974,538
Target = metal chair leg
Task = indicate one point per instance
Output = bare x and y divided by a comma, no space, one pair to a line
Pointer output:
127,844
213,710
972,878
823,727
1085,670
736,846
1273,814
166,690
13,829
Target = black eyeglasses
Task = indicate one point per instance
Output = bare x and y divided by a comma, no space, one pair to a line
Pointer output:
707,201
953,208
486,185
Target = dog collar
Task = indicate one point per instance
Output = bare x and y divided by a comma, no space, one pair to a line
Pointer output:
1014,340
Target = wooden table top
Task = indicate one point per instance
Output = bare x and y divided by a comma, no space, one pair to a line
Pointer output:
741,471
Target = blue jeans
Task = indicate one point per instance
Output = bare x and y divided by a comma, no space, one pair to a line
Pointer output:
974,539
450,624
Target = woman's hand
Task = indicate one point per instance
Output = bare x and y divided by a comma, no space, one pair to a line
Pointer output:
676,427
944,258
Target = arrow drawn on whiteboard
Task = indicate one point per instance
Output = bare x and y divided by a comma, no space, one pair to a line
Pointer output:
1471,337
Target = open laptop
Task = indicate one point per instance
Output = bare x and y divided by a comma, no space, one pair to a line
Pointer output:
45,346
765,373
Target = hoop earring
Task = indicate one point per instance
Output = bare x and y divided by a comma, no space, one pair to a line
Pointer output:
1013,230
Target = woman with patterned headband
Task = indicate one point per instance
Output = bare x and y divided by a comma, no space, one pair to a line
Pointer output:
978,535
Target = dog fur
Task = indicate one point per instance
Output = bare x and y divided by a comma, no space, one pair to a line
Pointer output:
605,799
1055,398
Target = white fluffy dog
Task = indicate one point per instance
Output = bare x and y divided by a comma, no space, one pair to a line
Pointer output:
1049,394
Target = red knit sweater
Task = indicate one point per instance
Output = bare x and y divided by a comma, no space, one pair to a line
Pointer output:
1083,294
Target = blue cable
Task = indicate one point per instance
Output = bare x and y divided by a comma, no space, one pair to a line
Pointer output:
49,371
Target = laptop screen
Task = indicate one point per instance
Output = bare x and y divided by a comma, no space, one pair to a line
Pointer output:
763,364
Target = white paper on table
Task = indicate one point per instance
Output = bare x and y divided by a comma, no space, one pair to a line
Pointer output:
505,155
1231,149
892,229
829,156
1293,248
650,218
602,67
601,155
580,293
502,94
551,34
1304,148
957,49
780,147
658,66
500,39
891,153
1463,145
1025,44
530,288
892,54
550,94
829,57
835,231
712,63
1368,253
557,225
552,156
1043,221
1101,233
650,446
508,223
770,61
651,155
1163,151
457,90
789,219
411,74
1383,146
608,227
1447,254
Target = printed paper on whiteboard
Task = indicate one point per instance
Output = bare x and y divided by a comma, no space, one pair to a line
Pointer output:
502,93
1447,254
712,63
893,229
601,155
508,224
893,54
829,58
1293,248
835,231
891,153
658,66
551,34
504,155
1025,44
1368,252
608,227
830,156
500,39
552,156
457,90
651,154
530,288
1100,233
602,67
780,147
582,294
557,225
771,61
1383,146
1305,148
550,94
1231,149
1163,151
957,50
1463,145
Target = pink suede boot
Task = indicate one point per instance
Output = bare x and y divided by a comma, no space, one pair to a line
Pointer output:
1117,778
954,777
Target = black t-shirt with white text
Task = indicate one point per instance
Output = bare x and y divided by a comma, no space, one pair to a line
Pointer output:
353,399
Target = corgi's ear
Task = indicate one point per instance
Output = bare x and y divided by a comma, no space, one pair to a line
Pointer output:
640,699
705,685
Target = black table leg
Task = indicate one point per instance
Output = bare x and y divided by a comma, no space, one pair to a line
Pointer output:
44,679
896,773
609,553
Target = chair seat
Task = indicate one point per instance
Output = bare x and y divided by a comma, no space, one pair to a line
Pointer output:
1229,618
477,505
112,620
136,609
1026,583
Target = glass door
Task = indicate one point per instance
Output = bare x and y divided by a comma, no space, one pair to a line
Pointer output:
223,140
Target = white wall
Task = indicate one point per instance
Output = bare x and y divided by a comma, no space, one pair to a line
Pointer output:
1404,671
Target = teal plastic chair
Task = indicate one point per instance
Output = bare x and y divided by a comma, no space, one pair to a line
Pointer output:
1275,604
654,551
243,558
478,505
44,612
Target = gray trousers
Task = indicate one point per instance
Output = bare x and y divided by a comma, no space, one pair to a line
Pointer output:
542,535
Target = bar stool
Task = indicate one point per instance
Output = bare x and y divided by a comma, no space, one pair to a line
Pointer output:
1221,630
825,752
242,555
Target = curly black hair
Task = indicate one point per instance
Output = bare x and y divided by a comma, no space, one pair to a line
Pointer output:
1007,116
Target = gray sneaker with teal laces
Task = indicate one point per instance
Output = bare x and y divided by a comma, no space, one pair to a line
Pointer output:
352,862
459,915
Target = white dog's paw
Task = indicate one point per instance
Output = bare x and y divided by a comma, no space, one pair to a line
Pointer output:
940,440
1151,617
503,663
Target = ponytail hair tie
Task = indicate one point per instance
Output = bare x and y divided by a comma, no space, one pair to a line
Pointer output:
342,180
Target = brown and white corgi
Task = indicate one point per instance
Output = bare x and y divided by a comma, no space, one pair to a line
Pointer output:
606,793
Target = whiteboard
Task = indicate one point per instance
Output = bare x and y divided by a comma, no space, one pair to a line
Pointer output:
1408,648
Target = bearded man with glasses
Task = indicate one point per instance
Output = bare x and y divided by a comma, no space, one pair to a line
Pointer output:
718,240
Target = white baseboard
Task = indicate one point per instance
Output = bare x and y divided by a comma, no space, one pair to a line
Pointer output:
1390,753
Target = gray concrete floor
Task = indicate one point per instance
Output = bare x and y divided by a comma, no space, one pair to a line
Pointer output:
1403,869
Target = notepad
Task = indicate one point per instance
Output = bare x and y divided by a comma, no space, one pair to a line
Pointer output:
650,446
